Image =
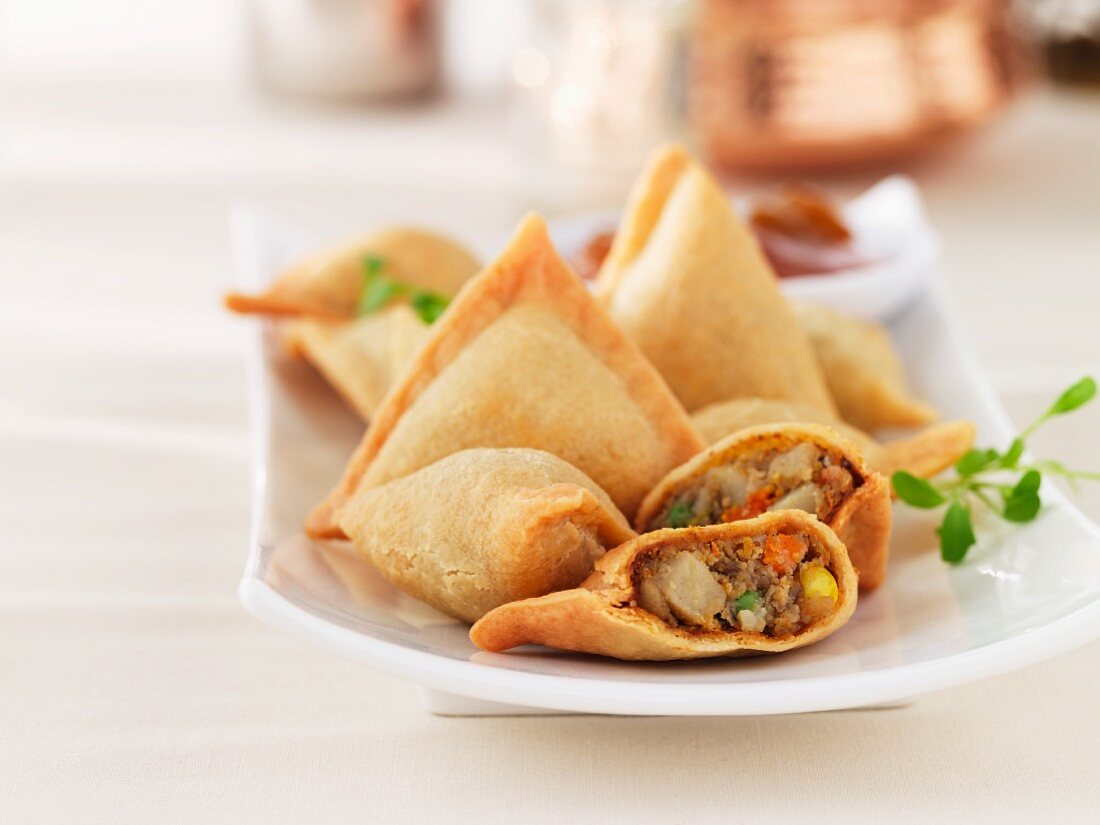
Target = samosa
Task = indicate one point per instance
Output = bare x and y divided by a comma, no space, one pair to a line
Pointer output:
361,359
329,283
773,583
525,357
781,467
483,527
862,370
688,283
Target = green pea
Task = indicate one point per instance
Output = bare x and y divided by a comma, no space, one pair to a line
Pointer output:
679,515
747,601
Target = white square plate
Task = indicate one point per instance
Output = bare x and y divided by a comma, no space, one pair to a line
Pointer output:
1023,594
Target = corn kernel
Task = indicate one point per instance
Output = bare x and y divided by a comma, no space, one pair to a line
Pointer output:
817,583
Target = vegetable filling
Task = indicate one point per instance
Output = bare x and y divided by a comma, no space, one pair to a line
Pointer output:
776,584
802,477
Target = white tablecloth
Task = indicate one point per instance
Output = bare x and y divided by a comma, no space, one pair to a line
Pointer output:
133,687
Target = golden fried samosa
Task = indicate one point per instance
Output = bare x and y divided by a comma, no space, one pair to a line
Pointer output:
925,453
329,283
362,358
688,283
781,467
483,527
773,583
524,357
862,370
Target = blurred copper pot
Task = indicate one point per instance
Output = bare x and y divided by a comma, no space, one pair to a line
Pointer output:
805,84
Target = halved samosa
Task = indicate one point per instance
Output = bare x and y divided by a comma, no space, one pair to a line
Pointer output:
862,370
329,283
484,527
361,359
781,467
774,583
925,453
524,357
688,283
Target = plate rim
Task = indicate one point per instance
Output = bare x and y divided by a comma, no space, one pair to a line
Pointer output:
673,698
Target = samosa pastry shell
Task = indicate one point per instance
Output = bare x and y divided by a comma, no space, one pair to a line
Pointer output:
775,467
863,371
676,594
483,527
924,453
524,357
716,421
361,359
329,283
688,283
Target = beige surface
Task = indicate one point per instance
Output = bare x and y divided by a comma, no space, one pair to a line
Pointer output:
133,687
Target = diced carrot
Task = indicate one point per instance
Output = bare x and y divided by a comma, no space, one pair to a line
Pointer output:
782,553
756,504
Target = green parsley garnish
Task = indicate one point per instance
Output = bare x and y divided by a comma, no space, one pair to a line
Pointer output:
679,515
996,480
380,290
428,305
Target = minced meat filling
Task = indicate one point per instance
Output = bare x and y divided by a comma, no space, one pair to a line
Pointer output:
802,477
775,584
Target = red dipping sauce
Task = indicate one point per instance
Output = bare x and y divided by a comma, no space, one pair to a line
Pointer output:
802,233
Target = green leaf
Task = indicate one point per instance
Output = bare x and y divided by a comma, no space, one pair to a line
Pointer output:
746,601
378,290
429,305
1022,503
975,461
1076,396
1015,450
1028,484
956,533
916,492
679,515
377,293
1022,508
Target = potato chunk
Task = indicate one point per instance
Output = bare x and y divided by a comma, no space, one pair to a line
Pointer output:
651,599
806,497
795,465
687,589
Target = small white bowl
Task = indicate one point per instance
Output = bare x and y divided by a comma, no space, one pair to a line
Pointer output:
890,229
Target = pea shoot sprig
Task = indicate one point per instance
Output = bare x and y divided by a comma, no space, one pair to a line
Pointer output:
379,289
1000,482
